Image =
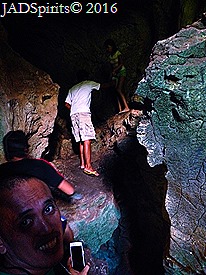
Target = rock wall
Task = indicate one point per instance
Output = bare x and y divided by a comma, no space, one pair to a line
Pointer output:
28,99
175,134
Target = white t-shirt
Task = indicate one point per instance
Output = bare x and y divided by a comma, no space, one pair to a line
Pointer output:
79,96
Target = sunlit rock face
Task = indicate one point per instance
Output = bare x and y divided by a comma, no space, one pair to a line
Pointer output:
175,81
28,100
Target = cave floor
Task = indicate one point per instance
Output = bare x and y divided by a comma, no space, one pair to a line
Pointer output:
139,190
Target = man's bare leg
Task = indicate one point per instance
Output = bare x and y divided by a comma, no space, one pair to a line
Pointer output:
81,155
87,157
121,95
87,154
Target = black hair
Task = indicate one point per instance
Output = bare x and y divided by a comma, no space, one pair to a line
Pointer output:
9,182
15,144
110,42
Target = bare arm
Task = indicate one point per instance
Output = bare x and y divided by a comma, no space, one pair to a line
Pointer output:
66,187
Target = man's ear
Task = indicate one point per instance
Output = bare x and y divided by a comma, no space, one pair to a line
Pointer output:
2,247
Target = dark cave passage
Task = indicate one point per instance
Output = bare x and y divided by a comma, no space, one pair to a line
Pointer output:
140,192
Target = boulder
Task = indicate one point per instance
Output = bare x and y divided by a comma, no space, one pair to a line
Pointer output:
174,133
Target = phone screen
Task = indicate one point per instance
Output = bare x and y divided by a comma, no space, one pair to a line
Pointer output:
77,256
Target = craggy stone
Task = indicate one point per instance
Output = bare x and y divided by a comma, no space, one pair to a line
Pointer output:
98,214
175,134
97,210
28,100
95,217
115,129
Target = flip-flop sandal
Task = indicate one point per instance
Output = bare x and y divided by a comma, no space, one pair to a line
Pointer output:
91,173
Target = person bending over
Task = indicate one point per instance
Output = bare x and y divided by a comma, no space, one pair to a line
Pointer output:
78,102
15,144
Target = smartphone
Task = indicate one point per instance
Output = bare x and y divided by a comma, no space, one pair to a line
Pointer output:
77,255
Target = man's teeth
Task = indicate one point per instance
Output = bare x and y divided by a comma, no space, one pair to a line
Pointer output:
49,245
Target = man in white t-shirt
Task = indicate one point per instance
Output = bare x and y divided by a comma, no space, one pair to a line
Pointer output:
78,102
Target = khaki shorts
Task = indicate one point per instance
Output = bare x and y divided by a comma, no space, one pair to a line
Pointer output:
82,127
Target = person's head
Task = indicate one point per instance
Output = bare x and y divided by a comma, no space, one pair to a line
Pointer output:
110,46
15,144
82,75
31,236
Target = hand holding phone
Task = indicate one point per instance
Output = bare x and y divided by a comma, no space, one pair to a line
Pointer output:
77,256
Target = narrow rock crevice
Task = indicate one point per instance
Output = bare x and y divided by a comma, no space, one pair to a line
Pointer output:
140,191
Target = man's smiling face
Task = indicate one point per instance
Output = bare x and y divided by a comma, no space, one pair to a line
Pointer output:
31,229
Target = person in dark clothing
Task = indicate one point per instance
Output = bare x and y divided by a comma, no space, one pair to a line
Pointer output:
16,146
34,167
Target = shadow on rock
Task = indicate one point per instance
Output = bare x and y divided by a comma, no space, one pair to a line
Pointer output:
140,191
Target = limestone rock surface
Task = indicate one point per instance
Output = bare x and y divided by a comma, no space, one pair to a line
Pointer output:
175,134
94,218
28,100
